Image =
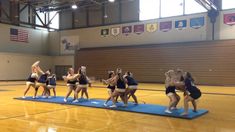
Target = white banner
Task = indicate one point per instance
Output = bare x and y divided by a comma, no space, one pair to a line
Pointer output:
68,44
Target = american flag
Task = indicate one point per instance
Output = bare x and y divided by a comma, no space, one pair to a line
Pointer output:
19,35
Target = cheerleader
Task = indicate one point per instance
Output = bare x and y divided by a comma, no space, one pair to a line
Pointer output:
82,84
120,90
192,93
170,90
71,79
132,86
51,84
32,78
42,82
180,78
111,85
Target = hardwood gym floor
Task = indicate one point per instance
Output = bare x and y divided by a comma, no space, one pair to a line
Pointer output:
27,116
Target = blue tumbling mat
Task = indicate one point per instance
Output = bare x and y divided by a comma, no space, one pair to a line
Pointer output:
140,108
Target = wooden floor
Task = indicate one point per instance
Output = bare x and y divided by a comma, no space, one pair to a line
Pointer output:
25,116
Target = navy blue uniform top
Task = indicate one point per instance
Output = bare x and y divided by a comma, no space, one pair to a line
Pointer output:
32,78
83,80
121,84
52,81
43,78
190,87
131,81
181,78
72,81
111,87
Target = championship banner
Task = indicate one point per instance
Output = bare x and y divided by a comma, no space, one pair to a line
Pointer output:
115,31
229,19
126,30
181,24
69,44
104,32
138,29
166,26
197,22
151,27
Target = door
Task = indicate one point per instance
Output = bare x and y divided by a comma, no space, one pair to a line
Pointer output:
61,70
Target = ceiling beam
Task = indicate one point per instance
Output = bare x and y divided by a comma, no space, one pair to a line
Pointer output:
207,4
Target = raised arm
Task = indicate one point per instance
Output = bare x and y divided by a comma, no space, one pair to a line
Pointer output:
73,77
40,70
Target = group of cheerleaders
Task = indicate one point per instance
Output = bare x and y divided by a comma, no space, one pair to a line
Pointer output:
117,82
46,80
182,81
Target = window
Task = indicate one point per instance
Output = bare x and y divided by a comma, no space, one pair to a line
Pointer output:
149,9
191,6
54,18
41,16
152,9
171,8
228,4
38,22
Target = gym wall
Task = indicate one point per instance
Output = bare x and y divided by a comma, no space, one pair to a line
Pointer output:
210,62
18,57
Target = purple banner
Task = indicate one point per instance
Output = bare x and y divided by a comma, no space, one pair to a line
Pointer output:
138,29
165,26
229,19
126,30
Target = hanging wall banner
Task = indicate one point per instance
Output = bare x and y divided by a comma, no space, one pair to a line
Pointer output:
197,22
104,32
166,26
115,31
69,44
229,19
151,27
138,29
126,30
181,24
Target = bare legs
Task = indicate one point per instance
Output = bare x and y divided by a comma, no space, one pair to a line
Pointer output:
131,93
70,89
186,105
84,90
177,100
27,88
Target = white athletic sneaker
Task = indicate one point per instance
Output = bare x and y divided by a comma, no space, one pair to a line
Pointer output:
75,101
105,105
184,114
168,111
23,97
34,97
65,100
49,97
173,108
113,106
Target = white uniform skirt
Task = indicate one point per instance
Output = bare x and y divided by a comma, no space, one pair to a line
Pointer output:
51,86
120,90
30,83
40,84
132,87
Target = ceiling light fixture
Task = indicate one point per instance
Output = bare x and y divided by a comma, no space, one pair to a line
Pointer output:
111,0
74,6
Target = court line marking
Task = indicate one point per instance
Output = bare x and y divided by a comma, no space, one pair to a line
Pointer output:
164,91
45,112
209,93
71,128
